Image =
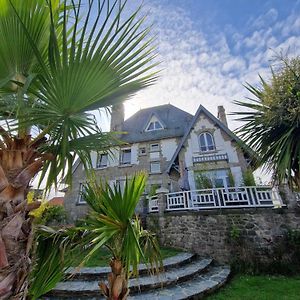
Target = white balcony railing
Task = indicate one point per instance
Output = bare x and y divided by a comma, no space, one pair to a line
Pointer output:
233,197
153,204
211,157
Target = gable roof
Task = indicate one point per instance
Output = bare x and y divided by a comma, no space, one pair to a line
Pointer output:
223,127
174,120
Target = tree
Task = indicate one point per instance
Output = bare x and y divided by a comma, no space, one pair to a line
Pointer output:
272,121
112,223
59,60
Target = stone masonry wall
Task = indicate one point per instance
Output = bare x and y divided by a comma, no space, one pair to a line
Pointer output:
213,233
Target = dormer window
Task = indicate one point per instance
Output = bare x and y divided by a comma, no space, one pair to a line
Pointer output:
154,124
206,142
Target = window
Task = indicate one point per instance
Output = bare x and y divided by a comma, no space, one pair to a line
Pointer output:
102,160
154,147
142,151
154,125
155,167
206,142
81,199
125,157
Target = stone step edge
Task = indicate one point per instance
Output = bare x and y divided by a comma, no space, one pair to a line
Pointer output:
136,284
96,273
195,288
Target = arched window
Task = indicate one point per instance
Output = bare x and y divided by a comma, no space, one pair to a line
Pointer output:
206,142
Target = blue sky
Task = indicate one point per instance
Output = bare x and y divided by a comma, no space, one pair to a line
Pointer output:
210,48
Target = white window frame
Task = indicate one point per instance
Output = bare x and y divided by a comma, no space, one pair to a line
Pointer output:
206,145
155,171
122,163
80,199
154,126
98,166
153,148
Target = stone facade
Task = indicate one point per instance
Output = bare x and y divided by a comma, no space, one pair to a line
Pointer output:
217,234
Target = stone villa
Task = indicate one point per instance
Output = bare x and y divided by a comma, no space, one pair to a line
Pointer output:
172,146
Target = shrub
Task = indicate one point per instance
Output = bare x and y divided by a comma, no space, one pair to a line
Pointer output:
54,215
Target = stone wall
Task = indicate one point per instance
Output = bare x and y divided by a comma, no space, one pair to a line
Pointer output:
220,234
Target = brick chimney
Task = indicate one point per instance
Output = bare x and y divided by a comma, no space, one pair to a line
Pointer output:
222,115
117,117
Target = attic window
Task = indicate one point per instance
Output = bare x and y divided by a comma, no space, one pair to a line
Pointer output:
154,125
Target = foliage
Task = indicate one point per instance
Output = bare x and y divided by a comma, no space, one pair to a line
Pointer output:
231,179
55,214
248,178
153,189
272,121
235,233
203,182
51,262
112,223
59,60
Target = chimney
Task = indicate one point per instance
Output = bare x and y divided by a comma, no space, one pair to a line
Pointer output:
117,117
222,115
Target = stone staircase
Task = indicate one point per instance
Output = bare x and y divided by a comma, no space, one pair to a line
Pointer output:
186,277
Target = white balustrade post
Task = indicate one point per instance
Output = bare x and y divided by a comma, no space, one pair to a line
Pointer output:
162,199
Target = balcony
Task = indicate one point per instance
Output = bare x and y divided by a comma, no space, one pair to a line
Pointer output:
209,158
233,197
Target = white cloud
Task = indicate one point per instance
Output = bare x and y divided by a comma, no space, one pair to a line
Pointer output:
200,69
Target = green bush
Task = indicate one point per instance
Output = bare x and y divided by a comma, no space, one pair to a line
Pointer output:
54,215
203,182
248,178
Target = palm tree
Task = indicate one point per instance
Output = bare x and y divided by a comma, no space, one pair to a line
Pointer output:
59,60
112,223
272,121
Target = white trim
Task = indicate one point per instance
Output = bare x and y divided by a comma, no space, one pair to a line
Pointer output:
206,145
80,199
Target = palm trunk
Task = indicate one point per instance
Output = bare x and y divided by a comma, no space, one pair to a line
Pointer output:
19,163
117,288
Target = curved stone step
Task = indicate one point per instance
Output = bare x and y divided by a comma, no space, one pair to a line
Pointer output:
100,273
195,288
89,289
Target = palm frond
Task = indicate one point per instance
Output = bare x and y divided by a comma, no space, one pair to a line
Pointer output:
272,123
113,223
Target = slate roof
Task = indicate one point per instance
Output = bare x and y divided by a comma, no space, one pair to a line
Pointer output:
175,121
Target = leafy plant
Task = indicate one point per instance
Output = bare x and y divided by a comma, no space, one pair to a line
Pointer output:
272,121
112,223
231,179
203,182
51,260
248,178
59,60
55,214
153,189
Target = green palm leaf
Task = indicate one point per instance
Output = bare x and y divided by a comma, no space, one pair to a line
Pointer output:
66,61
272,122
113,223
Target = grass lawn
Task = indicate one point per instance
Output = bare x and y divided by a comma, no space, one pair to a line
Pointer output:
102,257
244,287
